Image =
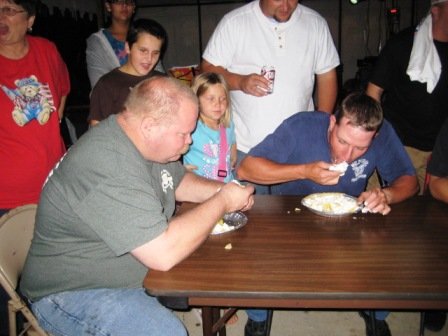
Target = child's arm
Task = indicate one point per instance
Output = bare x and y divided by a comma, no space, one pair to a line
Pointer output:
233,155
190,167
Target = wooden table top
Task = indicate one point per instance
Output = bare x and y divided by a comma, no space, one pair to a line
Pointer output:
285,257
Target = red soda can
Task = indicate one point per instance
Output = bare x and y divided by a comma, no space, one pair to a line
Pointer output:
268,72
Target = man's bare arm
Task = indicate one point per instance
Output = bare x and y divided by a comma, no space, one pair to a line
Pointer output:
187,231
263,171
253,84
438,186
377,200
194,188
374,91
326,91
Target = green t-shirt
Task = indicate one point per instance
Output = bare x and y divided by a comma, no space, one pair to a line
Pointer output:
100,202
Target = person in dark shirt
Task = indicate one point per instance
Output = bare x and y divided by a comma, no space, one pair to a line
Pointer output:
438,166
415,105
145,43
411,79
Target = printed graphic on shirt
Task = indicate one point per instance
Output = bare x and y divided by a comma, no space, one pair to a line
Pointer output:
31,99
167,180
358,167
211,160
122,56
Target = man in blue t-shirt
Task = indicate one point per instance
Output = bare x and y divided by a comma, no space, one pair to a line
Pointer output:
316,152
299,157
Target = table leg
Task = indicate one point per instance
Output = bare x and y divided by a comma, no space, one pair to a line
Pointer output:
372,322
207,321
219,326
212,323
269,322
422,323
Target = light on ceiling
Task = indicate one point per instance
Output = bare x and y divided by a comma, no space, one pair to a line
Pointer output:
355,2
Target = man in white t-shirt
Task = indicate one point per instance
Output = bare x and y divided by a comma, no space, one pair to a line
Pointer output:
297,43
288,36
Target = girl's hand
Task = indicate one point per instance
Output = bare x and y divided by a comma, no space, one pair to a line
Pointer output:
191,167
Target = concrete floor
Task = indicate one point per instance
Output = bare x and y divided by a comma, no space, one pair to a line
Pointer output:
318,323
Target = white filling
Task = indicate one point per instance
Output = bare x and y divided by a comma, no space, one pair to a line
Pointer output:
340,167
222,227
331,203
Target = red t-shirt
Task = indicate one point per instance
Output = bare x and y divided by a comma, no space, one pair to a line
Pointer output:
31,89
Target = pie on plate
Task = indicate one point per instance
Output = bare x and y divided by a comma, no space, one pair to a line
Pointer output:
231,221
331,204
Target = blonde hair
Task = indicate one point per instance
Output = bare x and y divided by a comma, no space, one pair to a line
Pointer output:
203,82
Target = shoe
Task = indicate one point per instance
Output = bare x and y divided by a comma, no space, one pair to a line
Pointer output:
253,328
434,320
381,326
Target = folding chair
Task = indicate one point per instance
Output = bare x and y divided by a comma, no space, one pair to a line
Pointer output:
16,232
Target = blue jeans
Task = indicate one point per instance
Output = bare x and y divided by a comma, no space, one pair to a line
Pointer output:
122,311
379,314
257,315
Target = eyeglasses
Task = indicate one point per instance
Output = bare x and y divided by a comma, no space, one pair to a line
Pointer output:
123,2
10,11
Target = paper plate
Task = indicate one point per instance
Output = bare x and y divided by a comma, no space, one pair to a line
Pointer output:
230,222
331,204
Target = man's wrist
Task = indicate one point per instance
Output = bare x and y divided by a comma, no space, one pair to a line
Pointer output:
388,195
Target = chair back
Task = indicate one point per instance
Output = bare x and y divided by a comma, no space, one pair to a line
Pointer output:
16,232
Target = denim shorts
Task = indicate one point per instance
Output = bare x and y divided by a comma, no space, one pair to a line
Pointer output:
106,312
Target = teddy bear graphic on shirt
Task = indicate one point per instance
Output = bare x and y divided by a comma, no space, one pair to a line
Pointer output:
32,100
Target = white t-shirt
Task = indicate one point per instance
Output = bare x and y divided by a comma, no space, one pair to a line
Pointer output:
246,40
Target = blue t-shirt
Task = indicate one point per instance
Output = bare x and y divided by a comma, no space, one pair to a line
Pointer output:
118,47
204,151
303,138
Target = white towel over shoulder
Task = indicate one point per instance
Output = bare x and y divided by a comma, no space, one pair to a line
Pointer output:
424,64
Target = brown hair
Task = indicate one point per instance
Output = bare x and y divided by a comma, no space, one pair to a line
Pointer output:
362,111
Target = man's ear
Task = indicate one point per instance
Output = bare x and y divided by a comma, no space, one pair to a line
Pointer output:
435,10
126,48
332,122
147,127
